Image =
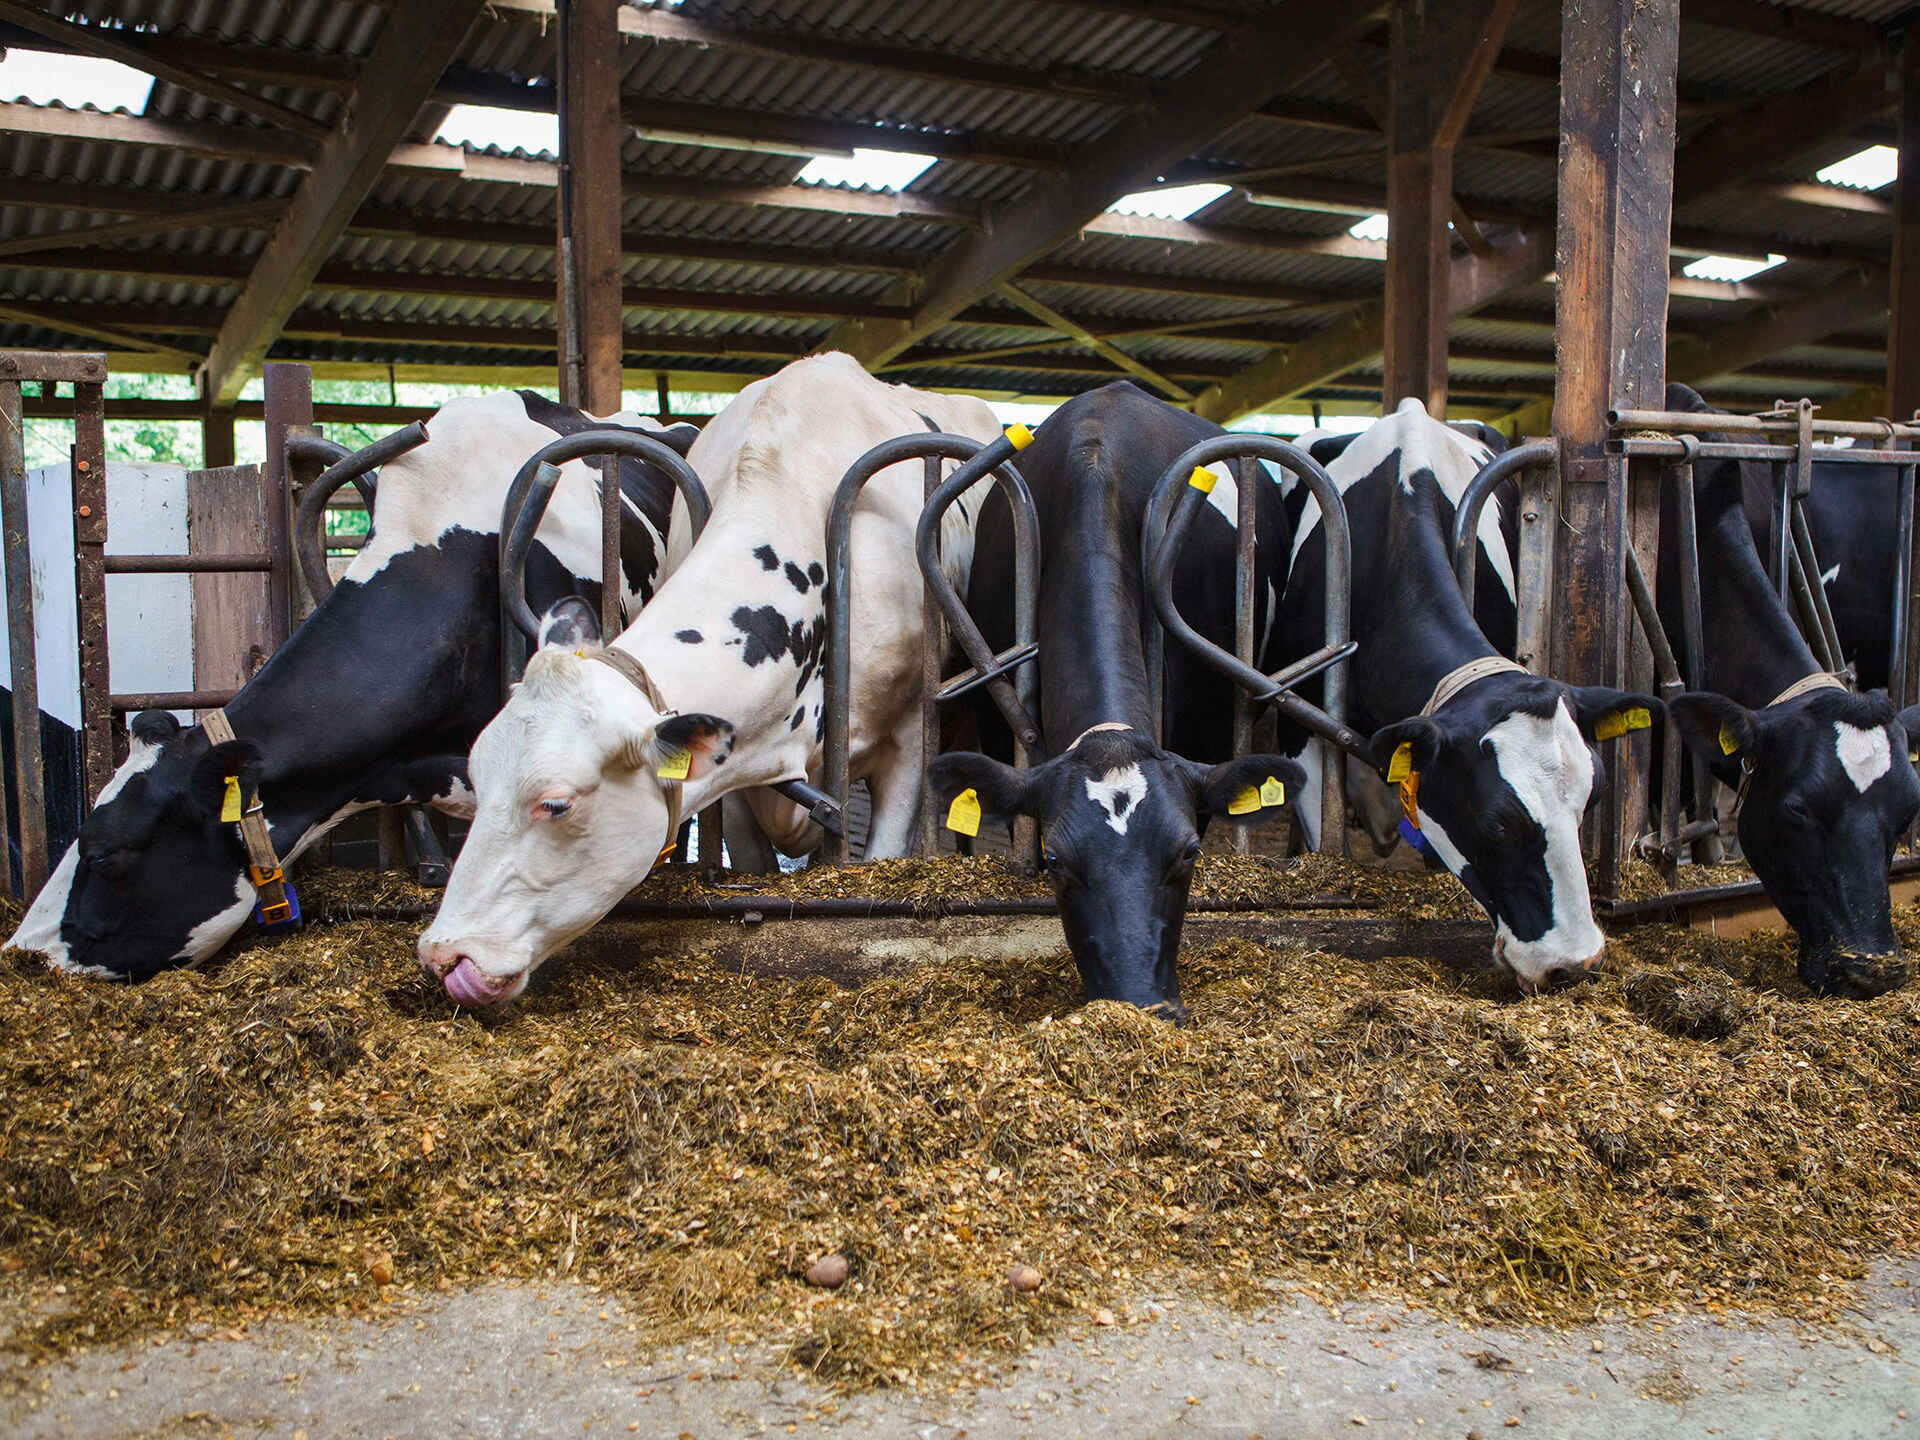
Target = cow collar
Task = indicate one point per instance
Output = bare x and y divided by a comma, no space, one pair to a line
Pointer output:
1819,680
1456,680
1103,725
635,674
277,907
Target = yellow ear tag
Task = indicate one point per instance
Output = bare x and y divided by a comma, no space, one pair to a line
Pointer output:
963,815
1203,479
1619,722
675,764
1247,801
230,804
1728,744
1401,765
1019,436
1272,792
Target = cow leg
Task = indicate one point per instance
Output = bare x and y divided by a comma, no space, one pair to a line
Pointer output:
894,782
747,844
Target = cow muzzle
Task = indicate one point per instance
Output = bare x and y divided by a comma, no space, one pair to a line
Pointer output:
466,983
1554,975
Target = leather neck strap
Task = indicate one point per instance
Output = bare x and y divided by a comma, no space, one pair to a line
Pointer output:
635,674
263,864
1819,680
1454,681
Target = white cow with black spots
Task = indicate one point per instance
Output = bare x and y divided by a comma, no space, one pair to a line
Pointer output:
581,778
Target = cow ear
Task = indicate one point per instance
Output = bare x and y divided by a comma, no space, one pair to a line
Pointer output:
1714,727
1422,735
687,747
207,785
570,623
153,727
1248,790
1000,792
1606,714
1910,722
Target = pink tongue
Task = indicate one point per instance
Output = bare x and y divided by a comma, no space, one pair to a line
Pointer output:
468,986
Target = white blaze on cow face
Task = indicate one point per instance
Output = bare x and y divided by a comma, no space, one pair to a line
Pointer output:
568,817
1546,762
39,928
1118,793
1865,755
210,934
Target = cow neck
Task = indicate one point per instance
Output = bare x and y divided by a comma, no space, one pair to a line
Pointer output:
1754,652
324,741
1092,658
711,676
1408,614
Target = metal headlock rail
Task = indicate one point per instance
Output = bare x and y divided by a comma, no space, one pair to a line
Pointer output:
520,517
1178,498
343,467
1015,696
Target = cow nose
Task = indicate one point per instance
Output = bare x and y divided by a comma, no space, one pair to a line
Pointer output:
438,957
1563,973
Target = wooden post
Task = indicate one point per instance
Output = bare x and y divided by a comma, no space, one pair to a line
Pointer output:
1903,332
289,402
1618,66
1439,57
590,199
232,625
217,450
90,580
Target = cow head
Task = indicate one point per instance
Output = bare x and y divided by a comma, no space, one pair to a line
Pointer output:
155,879
1120,827
577,784
1504,773
1828,790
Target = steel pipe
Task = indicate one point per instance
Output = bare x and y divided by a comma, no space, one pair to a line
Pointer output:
187,564
1180,501
308,542
171,700
976,461
1897,662
1682,422
1669,448
1466,516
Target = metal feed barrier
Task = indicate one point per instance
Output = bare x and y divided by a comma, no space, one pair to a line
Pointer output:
1793,568
1170,513
1013,697
520,517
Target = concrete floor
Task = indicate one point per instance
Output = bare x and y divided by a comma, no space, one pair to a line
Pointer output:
558,1360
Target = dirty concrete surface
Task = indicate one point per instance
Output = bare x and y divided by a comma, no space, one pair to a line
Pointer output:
559,1359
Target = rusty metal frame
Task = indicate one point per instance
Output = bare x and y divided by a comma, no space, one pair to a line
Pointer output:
1178,500
353,467
1015,696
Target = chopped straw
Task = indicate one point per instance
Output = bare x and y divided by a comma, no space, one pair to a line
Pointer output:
289,1130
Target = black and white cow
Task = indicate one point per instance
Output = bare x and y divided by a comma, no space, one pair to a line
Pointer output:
1121,818
1506,765
374,700
580,778
1826,785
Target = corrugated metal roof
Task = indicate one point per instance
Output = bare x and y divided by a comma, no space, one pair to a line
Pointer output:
1211,277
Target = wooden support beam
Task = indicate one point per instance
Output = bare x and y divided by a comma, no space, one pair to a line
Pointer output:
253,214
1770,329
1356,336
1823,197
1233,77
1079,333
1903,330
1438,58
1620,60
589,257
1770,133
1783,22
99,41
98,330
302,69
413,48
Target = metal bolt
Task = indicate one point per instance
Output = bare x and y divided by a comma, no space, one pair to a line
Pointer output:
9,364
85,511
92,365
83,464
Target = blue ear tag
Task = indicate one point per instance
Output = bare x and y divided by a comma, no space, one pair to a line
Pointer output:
1410,833
279,923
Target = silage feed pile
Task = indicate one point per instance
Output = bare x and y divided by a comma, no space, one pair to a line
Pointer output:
310,1127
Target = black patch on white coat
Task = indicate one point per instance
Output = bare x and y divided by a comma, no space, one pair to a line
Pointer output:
798,578
767,558
688,637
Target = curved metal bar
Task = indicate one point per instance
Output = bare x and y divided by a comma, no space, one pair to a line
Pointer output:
526,507
308,543
1466,515
1181,502
318,451
976,460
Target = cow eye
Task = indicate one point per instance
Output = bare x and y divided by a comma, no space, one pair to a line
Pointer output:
552,807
